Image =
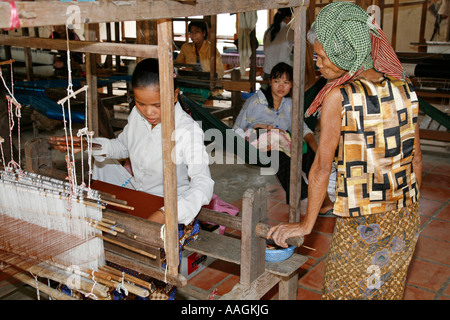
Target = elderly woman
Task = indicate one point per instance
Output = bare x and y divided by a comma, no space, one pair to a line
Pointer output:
370,111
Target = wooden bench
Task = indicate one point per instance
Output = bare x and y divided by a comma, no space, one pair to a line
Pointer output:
257,276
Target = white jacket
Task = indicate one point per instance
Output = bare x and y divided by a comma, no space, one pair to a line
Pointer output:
278,50
143,145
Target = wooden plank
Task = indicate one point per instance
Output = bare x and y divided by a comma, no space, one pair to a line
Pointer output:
158,273
287,267
235,222
91,81
254,291
236,85
298,97
135,255
212,59
394,24
37,154
425,122
28,59
228,249
124,49
166,87
435,135
142,230
216,246
254,209
44,13
287,288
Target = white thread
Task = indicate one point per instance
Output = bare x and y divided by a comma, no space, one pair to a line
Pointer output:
37,286
121,286
163,237
91,294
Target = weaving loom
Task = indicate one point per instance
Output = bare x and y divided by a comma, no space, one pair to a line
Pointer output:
55,229
42,219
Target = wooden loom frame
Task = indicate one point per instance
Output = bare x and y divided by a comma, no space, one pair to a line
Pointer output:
38,13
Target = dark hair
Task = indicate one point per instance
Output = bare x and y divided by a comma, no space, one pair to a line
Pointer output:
199,24
277,19
146,74
278,71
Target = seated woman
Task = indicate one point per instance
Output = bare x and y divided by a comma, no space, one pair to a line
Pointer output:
198,52
141,142
270,109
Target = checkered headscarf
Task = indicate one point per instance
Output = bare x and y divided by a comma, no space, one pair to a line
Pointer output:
353,42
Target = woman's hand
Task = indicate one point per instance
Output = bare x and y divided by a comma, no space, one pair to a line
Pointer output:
284,231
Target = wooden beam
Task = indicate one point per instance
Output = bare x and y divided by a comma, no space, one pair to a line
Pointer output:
254,291
158,273
254,209
91,81
168,145
235,222
435,135
212,60
124,49
44,13
298,97
394,24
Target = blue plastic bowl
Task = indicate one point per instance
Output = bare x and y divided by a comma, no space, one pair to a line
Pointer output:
277,255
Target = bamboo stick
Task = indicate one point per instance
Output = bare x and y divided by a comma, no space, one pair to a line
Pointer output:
112,232
134,289
108,226
120,205
123,245
72,95
127,277
42,287
108,221
7,62
62,276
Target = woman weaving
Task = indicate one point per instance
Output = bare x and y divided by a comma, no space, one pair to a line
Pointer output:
370,111
141,142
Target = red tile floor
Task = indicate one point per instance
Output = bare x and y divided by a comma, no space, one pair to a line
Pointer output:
429,272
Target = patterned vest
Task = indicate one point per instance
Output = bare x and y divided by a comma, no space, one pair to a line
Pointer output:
374,158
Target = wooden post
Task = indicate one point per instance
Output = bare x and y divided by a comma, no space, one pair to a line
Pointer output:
423,21
254,210
236,98
287,288
108,60
37,155
168,127
28,58
91,80
252,73
298,96
117,40
394,24
213,39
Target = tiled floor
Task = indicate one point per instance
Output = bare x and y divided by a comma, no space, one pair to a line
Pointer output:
429,273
